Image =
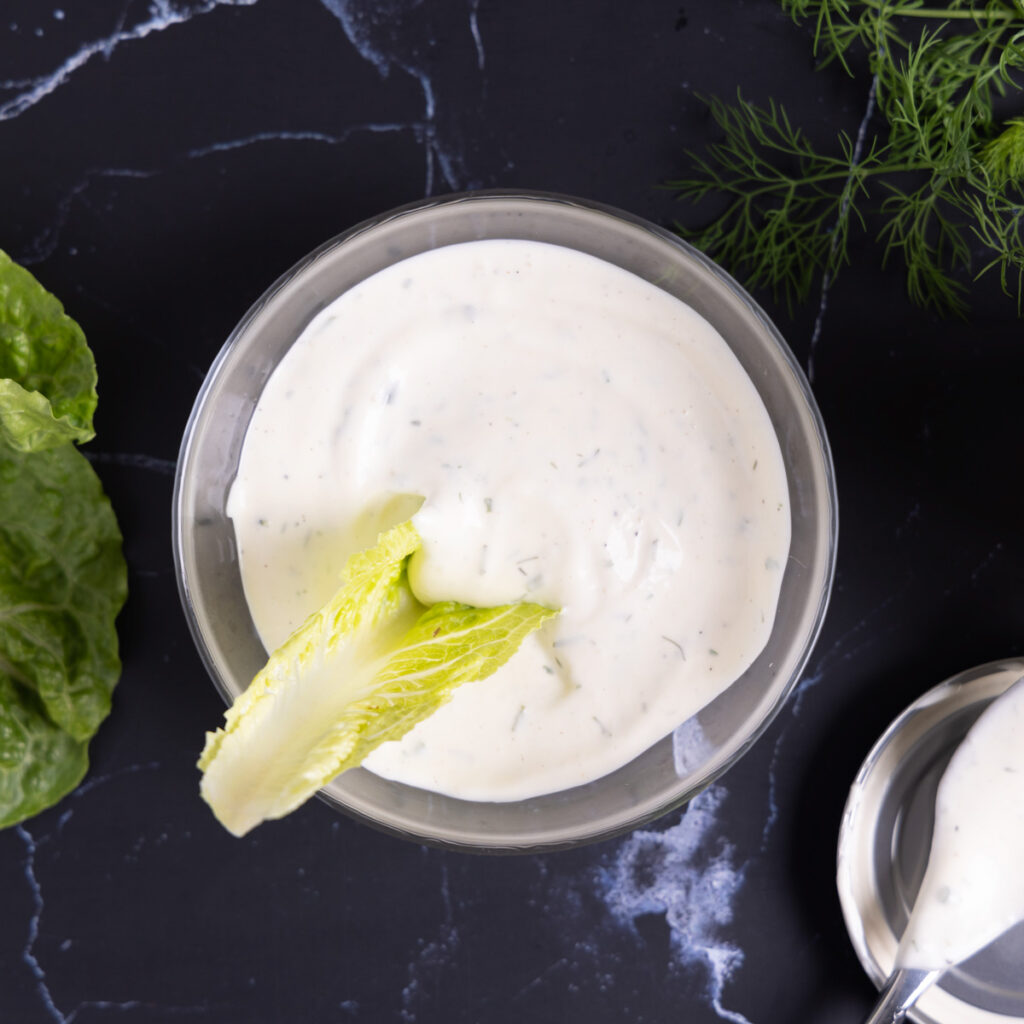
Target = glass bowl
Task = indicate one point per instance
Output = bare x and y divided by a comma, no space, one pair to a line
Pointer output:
669,773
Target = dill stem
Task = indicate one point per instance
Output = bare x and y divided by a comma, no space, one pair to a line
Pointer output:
941,12
849,172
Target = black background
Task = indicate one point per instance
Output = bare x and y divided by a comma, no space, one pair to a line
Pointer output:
161,184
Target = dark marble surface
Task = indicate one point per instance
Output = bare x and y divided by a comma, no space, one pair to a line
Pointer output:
160,165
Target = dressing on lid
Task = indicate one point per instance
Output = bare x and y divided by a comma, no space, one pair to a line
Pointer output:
973,887
566,433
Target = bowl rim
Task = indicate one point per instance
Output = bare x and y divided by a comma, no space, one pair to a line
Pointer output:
684,794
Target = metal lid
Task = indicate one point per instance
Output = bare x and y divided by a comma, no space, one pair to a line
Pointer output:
884,843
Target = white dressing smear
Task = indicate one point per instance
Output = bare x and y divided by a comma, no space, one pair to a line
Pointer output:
578,438
973,888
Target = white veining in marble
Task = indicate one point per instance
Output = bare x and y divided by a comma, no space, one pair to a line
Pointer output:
826,281
540,979
30,867
161,15
856,639
990,558
849,646
687,873
95,781
293,136
986,562
28,955
375,30
45,243
474,31
431,956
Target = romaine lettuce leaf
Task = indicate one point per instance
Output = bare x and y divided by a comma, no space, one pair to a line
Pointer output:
62,574
62,583
39,762
47,372
363,670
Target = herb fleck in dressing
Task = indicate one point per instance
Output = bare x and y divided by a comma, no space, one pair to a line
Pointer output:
571,435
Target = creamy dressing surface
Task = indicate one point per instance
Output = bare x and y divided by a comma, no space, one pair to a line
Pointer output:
973,888
580,439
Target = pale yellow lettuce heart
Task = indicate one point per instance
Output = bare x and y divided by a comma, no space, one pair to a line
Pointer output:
361,671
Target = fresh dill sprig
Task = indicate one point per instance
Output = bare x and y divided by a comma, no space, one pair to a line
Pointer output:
945,176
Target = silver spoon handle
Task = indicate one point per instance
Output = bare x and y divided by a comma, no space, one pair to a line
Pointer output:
904,987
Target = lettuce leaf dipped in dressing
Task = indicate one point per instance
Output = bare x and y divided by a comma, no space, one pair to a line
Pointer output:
361,671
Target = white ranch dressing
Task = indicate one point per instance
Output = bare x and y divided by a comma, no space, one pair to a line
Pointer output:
581,439
973,888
